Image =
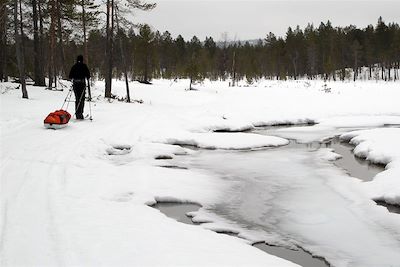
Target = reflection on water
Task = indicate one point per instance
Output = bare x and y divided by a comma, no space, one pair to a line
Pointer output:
297,256
289,194
178,212
356,167
390,207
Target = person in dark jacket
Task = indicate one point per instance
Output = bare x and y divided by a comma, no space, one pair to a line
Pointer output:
79,74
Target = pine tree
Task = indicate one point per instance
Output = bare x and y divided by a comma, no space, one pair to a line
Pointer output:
311,43
368,45
382,44
166,55
180,55
110,17
145,51
192,65
89,19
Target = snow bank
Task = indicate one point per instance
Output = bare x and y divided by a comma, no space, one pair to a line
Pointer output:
328,154
330,126
381,146
229,141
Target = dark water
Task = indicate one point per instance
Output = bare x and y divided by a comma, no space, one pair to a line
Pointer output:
178,211
299,257
354,166
390,207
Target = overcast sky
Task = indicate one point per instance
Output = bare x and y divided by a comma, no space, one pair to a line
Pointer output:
253,19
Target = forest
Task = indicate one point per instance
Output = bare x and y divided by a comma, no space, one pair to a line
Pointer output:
40,40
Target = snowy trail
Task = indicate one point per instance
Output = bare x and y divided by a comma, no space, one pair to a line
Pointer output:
32,188
65,202
33,191
35,188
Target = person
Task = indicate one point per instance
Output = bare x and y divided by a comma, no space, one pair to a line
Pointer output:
79,74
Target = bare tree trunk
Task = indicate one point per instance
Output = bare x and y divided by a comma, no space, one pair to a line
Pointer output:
343,73
355,65
3,41
128,97
370,72
52,39
38,61
41,44
234,69
35,42
146,66
85,47
49,70
60,39
109,30
107,52
294,62
111,59
294,68
19,47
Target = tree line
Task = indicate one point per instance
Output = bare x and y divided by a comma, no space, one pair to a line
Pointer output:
41,38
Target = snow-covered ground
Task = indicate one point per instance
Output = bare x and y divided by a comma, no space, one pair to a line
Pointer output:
381,146
71,197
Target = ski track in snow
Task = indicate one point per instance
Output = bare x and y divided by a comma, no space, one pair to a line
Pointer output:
35,196
61,192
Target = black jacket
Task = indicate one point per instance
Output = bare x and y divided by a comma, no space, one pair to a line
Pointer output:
79,71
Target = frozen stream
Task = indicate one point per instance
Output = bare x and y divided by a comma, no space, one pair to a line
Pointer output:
292,197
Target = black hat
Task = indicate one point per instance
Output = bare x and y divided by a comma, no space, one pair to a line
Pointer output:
79,58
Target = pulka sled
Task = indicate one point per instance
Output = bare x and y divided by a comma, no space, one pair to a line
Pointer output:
60,118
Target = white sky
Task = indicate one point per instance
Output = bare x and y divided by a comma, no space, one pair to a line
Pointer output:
253,19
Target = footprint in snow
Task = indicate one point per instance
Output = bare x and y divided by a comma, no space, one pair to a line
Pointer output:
119,150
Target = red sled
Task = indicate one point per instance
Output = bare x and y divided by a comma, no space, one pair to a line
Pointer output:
57,119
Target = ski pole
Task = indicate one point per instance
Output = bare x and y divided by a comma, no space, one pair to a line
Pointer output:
80,101
89,91
90,100
67,99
